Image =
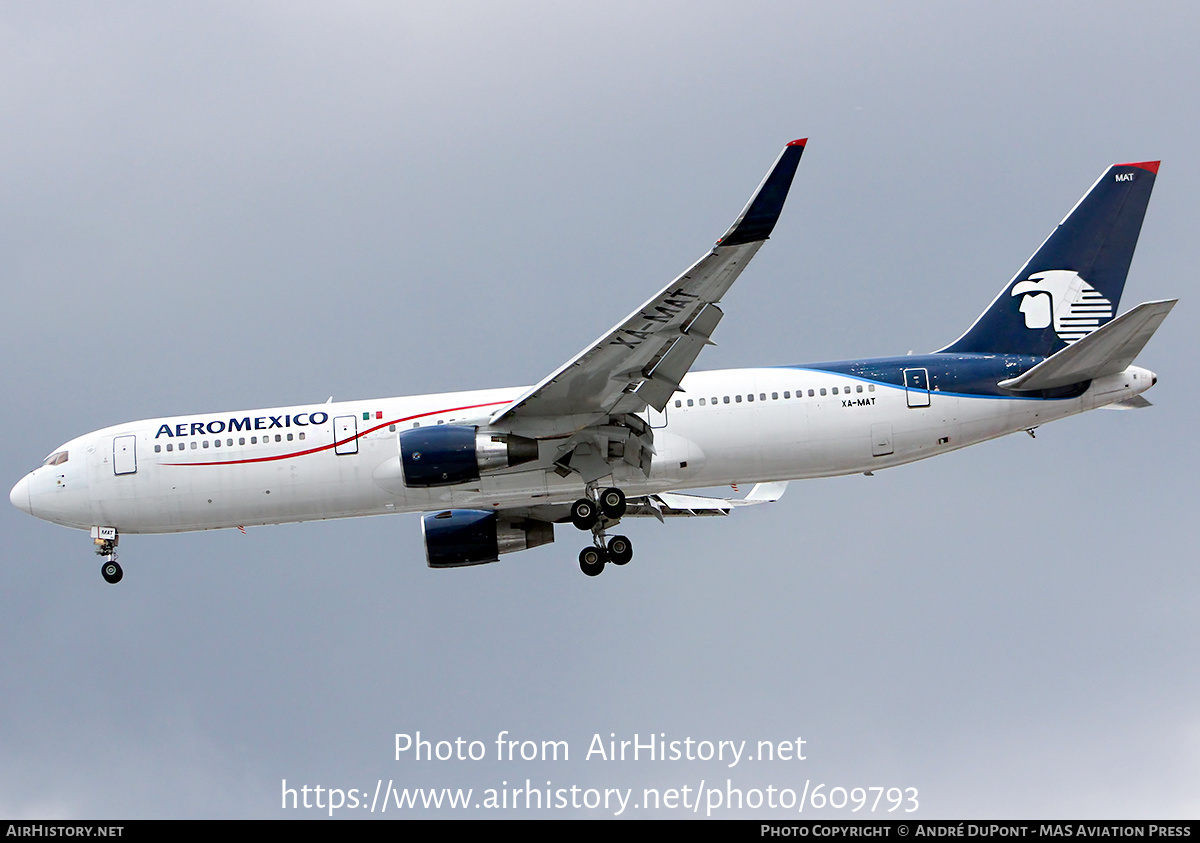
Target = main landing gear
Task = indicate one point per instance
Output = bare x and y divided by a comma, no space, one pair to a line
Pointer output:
598,515
106,546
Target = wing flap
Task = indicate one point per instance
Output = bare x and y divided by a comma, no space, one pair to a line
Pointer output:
655,383
675,504
662,505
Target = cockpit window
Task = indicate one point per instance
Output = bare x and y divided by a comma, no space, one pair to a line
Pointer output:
56,459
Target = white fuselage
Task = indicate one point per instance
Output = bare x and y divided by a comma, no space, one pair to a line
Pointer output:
341,460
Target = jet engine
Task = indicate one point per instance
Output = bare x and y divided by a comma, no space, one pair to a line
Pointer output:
459,537
455,453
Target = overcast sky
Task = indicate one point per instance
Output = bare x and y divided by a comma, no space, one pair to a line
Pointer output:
234,205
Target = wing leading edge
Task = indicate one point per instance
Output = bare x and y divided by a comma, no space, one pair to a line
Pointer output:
640,361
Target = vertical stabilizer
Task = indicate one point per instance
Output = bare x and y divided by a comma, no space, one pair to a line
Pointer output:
1073,283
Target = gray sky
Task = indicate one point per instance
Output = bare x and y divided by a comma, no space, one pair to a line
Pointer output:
218,206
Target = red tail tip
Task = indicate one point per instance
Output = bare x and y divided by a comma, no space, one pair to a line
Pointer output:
1152,166
800,142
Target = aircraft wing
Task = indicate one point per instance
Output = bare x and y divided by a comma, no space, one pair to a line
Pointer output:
641,360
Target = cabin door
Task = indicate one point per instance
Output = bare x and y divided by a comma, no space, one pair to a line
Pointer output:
916,386
124,455
345,434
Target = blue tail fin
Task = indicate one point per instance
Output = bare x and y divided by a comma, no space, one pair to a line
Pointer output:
1073,283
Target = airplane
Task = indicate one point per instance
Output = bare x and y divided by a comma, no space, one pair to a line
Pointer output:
624,428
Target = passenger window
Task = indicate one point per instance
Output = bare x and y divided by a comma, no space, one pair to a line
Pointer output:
858,388
810,393
750,397
823,390
737,399
216,443
701,402
205,443
678,403
241,440
278,438
787,394
302,432
774,396
870,387
170,447
689,402
391,427
157,448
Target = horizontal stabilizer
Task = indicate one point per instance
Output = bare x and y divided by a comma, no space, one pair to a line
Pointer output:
1135,402
1106,351
766,492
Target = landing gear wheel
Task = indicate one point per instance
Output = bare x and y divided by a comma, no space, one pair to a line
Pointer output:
591,560
612,503
584,514
111,572
620,550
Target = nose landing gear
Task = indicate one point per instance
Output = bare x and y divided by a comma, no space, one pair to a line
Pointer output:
597,516
106,539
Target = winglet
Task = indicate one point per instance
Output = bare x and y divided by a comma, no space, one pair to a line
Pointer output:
758,218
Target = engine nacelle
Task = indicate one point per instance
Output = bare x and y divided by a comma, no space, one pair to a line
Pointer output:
456,453
459,537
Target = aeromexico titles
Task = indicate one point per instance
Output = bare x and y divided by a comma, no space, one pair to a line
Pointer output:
245,423
621,428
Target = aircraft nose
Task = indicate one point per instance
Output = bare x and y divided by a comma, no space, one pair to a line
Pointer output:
20,495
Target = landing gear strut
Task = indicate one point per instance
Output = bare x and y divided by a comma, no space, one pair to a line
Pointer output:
597,515
106,546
